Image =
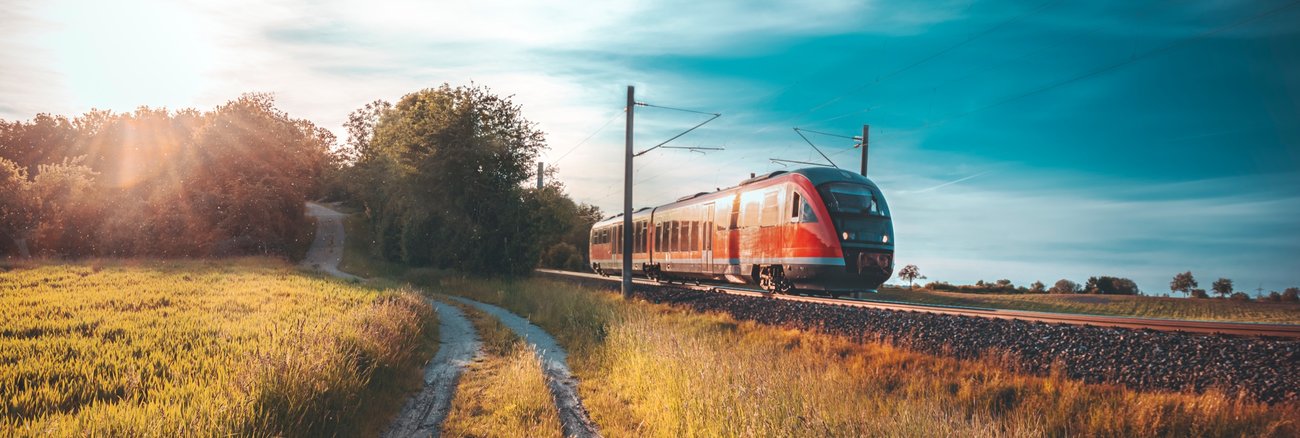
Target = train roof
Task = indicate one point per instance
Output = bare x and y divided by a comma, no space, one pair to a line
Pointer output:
817,175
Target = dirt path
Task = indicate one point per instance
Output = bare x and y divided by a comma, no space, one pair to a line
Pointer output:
424,413
327,250
458,342
564,388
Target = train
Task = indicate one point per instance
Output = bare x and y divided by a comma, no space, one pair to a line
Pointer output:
821,229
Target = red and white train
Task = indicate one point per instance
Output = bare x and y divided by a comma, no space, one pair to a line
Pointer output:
815,229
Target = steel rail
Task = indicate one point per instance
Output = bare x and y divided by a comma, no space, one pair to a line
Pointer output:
1136,323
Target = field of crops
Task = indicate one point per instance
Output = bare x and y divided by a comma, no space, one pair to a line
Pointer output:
1211,309
183,348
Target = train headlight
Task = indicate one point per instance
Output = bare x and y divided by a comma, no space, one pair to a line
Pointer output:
884,238
845,235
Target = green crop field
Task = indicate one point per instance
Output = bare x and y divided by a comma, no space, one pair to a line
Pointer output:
1212,309
210,348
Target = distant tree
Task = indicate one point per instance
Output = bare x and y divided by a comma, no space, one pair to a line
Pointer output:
1005,284
1183,282
1274,297
1037,288
909,273
1291,294
1064,286
1240,296
1222,286
1105,285
1199,293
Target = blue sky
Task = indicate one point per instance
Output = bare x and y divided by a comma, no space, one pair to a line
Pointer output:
1014,139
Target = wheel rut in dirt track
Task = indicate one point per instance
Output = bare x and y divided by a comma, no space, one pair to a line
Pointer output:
563,386
459,345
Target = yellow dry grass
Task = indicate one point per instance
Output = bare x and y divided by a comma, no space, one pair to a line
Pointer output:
653,370
249,347
505,393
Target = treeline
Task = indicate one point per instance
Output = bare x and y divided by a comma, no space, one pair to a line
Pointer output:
1186,283
441,177
160,183
1100,285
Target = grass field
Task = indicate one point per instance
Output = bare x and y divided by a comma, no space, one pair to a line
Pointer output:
505,393
249,347
652,370
1153,307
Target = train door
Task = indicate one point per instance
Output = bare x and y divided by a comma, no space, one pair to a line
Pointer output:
707,239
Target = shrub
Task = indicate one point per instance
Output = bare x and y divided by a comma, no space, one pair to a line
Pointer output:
1274,297
1240,296
1291,294
1199,293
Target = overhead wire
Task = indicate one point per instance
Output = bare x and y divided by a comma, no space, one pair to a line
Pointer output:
589,137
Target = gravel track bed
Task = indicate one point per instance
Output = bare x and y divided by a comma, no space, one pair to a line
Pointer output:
1263,369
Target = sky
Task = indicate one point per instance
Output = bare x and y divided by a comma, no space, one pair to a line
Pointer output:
1027,140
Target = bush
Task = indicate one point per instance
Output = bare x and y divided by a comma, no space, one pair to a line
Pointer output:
1240,296
1199,293
1291,294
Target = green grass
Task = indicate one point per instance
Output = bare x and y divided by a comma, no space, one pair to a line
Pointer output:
654,370
179,348
1152,307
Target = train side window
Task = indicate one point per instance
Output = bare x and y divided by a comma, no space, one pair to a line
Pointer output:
735,211
771,211
672,237
808,215
794,207
695,236
677,236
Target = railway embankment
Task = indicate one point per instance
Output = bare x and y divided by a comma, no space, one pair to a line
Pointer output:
1258,368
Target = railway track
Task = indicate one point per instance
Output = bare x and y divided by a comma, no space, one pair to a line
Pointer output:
1290,331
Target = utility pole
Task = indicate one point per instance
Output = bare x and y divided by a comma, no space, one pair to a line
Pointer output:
627,197
540,167
865,128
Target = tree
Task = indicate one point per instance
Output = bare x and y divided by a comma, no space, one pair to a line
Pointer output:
1222,286
1183,282
441,179
1291,294
1105,285
1064,286
909,273
18,205
1037,288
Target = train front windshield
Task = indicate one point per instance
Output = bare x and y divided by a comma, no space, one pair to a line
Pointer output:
858,212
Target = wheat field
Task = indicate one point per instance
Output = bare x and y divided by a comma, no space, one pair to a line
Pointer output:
249,347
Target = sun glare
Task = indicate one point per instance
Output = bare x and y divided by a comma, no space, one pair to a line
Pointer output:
120,55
